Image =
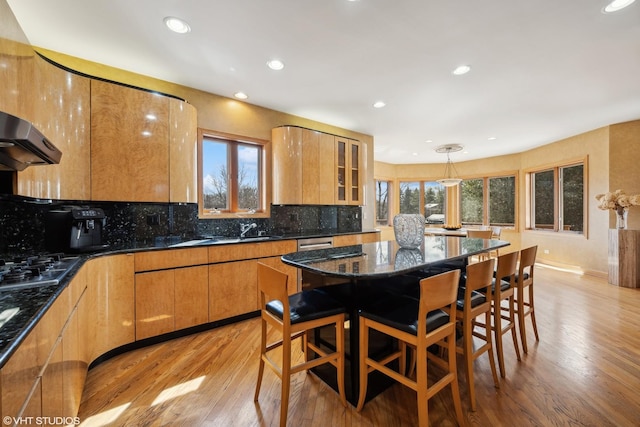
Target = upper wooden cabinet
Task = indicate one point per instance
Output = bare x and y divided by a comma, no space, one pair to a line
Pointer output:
129,144
348,172
315,168
183,144
61,112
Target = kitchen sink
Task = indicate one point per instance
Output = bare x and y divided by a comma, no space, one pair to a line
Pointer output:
221,240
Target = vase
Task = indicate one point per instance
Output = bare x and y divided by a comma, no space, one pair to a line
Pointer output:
409,230
621,218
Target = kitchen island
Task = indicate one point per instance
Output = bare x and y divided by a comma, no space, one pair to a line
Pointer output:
359,275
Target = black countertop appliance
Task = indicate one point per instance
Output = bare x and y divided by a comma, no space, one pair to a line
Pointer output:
74,229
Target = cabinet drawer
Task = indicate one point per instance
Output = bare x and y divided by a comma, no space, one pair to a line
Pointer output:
242,251
159,260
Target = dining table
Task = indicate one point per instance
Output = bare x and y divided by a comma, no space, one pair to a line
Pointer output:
362,274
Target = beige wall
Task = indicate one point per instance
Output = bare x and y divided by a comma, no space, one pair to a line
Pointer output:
611,152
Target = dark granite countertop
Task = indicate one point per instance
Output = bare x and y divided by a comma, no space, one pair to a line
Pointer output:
22,309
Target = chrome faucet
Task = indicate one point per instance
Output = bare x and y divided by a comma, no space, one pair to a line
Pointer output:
244,228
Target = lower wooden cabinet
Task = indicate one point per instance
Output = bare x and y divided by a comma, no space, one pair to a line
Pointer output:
19,377
170,300
232,289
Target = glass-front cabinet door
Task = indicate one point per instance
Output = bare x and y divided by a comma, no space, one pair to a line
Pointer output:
348,167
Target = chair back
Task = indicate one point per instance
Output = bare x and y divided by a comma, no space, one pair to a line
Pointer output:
437,292
479,234
272,285
506,269
496,232
527,261
479,277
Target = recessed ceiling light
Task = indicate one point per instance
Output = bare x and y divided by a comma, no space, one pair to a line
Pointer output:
492,138
616,5
275,64
241,95
379,104
462,69
177,25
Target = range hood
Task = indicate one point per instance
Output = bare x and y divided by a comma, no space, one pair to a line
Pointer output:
22,145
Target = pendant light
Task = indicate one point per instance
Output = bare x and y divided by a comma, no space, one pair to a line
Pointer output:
450,178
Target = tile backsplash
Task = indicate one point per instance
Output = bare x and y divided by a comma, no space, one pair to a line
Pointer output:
136,225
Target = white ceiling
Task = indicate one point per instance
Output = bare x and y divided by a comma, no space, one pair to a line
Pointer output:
541,70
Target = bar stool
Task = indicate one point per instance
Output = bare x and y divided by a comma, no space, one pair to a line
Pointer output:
524,301
418,324
293,316
503,289
473,302
480,234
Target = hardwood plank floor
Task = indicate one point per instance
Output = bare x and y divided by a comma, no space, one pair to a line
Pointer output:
585,371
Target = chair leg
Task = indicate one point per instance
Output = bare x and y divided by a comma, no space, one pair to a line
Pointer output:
492,361
263,347
512,320
453,370
497,328
468,356
286,381
521,315
340,361
364,353
533,313
421,384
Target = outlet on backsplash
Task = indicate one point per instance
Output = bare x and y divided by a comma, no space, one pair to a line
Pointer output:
153,219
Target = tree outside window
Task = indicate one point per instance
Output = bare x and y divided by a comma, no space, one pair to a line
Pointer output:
409,197
472,201
488,201
557,199
382,202
502,201
231,176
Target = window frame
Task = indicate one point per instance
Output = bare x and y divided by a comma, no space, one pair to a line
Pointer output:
264,180
390,196
486,202
422,196
558,224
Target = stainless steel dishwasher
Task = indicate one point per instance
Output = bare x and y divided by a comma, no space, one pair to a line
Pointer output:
311,244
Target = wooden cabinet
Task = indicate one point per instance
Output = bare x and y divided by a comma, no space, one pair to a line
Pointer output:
356,239
311,167
170,300
232,289
172,290
348,171
61,113
143,146
129,144
107,317
183,144
233,275
20,379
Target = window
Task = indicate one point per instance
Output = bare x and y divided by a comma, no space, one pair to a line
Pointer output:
490,201
426,198
435,196
382,202
232,175
472,201
557,199
409,197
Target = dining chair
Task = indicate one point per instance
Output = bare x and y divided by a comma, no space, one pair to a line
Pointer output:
418,324
503,289
474,301
524,300
480,234
293,316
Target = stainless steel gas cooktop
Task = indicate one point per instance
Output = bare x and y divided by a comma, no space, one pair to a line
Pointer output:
37,270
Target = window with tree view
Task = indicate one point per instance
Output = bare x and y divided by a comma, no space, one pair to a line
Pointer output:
231,176
488,201
426,198
557,199
382,202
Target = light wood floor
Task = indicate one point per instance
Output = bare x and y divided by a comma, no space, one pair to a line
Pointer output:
585,371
